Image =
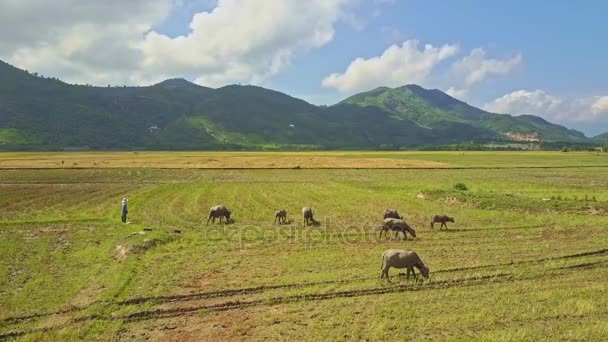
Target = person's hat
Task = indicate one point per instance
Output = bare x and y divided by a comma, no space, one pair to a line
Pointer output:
124,199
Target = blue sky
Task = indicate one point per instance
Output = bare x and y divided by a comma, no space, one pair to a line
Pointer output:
541,57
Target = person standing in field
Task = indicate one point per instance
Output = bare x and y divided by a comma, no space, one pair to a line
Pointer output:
124,210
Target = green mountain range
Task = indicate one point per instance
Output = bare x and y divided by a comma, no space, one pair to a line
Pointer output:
38,113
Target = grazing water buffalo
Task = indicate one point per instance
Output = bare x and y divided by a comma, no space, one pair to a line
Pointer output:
396,225
441,219
307,215
219,211
399,258
281,215
392,213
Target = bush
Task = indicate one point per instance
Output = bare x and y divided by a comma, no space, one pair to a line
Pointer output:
460,186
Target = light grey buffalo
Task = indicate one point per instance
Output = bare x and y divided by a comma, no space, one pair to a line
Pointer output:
219,211
392,213
399,258
280,215
307,216
397,226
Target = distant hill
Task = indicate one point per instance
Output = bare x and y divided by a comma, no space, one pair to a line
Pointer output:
437,110
39,113
601,138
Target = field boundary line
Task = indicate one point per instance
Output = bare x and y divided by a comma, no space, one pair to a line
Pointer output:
7,168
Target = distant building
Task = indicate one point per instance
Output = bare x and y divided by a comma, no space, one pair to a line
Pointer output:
153,129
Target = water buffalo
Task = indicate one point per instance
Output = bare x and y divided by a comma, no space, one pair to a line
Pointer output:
399,258
441,219
392,213
307,215
219,211
281,215
396,225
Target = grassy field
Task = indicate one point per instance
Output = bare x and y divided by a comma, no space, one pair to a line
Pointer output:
527,258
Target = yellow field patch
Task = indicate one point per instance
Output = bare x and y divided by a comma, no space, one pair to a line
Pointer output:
207,160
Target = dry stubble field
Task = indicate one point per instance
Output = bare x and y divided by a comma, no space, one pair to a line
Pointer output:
527,258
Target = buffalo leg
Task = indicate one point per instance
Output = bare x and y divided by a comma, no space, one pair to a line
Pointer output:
384,273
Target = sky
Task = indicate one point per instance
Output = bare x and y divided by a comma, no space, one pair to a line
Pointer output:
547,58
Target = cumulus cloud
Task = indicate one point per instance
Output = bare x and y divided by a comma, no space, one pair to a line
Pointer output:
458,93
396,66
551,107
525,102
114,40
475,68
83,41
408,63
600,105
244,40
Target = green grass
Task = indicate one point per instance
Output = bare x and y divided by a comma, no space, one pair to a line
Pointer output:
514,266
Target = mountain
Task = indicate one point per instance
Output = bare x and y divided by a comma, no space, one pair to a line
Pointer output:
38,113
435,109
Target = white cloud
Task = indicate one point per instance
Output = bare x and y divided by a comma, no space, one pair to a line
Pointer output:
244,40
551,107
459,93
525,102
113,41
600,105
475,67
396,66
399,65
82,41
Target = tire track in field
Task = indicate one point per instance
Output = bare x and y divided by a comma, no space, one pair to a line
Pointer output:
521,262
243,304
266,288
234,305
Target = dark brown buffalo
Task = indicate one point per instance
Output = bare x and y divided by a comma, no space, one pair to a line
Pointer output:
441,219
219,211
392,213
397,226
281,216
307,216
